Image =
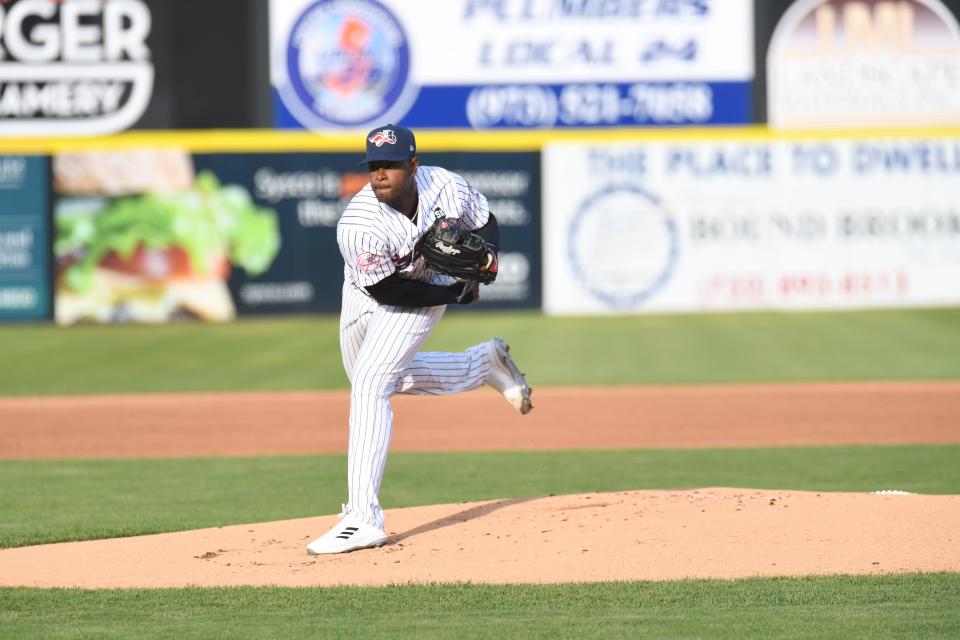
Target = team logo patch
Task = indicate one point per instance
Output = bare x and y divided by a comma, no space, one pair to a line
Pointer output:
381,138
346,64
368,262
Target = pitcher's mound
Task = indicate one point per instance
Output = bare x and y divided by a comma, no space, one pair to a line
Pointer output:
634,535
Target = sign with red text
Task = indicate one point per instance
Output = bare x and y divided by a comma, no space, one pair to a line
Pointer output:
751,224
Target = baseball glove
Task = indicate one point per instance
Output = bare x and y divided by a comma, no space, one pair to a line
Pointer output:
449,248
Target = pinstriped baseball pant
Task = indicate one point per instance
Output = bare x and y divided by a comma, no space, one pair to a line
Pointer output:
380,348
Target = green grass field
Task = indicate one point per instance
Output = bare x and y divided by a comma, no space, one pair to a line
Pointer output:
49,500
903,606
303,353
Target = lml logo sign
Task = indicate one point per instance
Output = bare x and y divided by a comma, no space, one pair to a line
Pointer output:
74,67
858,63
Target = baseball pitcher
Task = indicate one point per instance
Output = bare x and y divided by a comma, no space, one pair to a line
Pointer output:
413,240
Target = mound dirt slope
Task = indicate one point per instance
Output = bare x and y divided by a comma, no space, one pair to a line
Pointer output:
636,535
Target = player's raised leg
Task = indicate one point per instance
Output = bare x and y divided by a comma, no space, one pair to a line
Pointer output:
439,373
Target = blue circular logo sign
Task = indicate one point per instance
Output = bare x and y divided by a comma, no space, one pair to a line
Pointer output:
622,245
347,64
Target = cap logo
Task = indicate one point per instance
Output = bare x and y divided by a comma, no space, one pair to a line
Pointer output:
385,136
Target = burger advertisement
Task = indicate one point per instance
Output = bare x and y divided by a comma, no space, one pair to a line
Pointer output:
140,236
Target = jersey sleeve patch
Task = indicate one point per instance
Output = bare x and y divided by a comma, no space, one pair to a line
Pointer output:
368,262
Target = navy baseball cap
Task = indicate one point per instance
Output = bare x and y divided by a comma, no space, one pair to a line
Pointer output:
390,142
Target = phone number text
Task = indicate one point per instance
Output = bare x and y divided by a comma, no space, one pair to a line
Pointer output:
577,105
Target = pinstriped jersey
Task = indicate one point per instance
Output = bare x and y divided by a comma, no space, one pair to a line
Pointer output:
376,240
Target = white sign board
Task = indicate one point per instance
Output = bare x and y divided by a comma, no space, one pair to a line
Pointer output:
751,224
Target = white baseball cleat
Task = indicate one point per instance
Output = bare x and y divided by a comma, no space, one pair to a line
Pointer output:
506,378
350,534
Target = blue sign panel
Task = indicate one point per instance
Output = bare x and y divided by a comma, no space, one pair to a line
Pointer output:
24,238
309,191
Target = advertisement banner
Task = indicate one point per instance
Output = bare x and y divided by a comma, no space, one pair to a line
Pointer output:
142,235
305,190
515,63
153,235
309,191
851,63
24,238
748,224
73,68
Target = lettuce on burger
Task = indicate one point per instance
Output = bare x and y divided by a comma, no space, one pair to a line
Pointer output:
156,255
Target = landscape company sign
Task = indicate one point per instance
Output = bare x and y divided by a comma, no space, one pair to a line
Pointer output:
842,63
76,67
729,225
510,63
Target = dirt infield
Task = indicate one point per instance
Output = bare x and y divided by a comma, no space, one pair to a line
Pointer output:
565,418
717,532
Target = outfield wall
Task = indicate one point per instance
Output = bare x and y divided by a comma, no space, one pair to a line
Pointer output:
619,221
614,140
